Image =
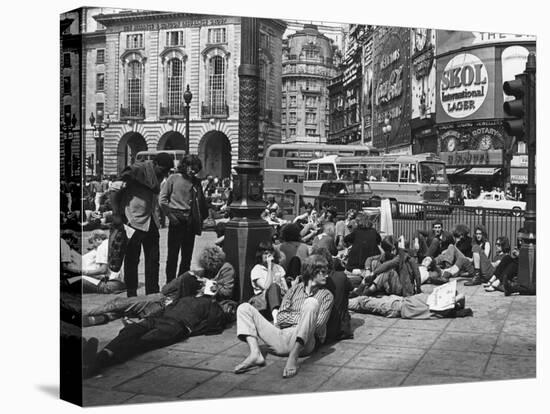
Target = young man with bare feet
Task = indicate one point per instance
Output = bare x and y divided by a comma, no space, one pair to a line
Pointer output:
301,321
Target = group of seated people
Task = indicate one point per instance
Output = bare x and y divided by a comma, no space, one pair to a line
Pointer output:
301,291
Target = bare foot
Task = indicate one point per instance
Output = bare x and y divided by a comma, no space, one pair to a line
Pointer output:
251,361
291,367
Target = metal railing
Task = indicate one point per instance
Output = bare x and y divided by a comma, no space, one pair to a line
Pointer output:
214,110
177,110
132,112
409,217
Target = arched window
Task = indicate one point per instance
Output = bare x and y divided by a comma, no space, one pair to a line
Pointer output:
134,88
174,86
216,86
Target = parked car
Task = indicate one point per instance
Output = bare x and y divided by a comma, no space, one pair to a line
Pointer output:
495,199
345,195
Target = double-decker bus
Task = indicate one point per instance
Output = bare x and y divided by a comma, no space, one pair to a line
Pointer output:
284,164
417,178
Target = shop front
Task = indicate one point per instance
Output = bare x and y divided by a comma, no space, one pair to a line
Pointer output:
478,170
471,68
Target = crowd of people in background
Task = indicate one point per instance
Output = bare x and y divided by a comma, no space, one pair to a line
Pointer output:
308,275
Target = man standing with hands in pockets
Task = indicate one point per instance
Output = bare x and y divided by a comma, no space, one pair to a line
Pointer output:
182,200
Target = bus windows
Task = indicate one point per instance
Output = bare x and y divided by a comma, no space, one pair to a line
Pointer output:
391,172
311,173
432,172
413,175
374,172
404,177
326,172
291,179
276,153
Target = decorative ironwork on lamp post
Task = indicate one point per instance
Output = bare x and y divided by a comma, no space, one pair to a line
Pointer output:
67,126
386,130
187,97
98,128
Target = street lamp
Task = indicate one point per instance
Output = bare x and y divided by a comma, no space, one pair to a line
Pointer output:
386,130
67,126
98,127
187,96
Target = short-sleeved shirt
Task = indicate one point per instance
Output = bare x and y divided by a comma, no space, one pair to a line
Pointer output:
259,272
97,257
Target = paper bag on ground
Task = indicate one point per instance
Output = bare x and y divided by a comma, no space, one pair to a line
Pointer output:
443,297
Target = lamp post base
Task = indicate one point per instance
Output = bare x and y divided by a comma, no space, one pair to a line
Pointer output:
245,231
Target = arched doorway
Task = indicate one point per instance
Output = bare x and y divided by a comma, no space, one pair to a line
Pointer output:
172,140
128,146
215,154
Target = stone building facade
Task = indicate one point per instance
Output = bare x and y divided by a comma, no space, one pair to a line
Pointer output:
137,67
308,58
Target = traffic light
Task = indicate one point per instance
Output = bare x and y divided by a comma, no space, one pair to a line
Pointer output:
517,108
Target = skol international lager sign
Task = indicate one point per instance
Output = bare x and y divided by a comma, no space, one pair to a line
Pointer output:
465,86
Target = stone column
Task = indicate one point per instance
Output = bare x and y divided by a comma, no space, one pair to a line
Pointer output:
246,230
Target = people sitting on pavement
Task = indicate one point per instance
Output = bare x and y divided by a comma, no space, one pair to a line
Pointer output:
271,205
95,276
274,221
364,242
325,239
71,260
393,272
507,268
185,317
268,281
451,262
339,322
428,243
215,278
343,228
300,324
463,241
411,307
306,217
481,253
311,228
292,245
328,214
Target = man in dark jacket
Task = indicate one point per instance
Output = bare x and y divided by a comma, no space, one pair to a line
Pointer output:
364,241
182,200
429,243
188,316
135,202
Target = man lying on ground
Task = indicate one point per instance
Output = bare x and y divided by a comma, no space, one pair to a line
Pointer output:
215,272
411,307
188,316
301,321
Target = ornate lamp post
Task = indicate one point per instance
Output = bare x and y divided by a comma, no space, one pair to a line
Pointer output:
386,130
246,230
98,128
187,96
67,126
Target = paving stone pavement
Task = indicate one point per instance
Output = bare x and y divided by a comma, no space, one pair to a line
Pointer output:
497,343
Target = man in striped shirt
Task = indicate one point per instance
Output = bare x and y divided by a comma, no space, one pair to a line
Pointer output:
301,321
